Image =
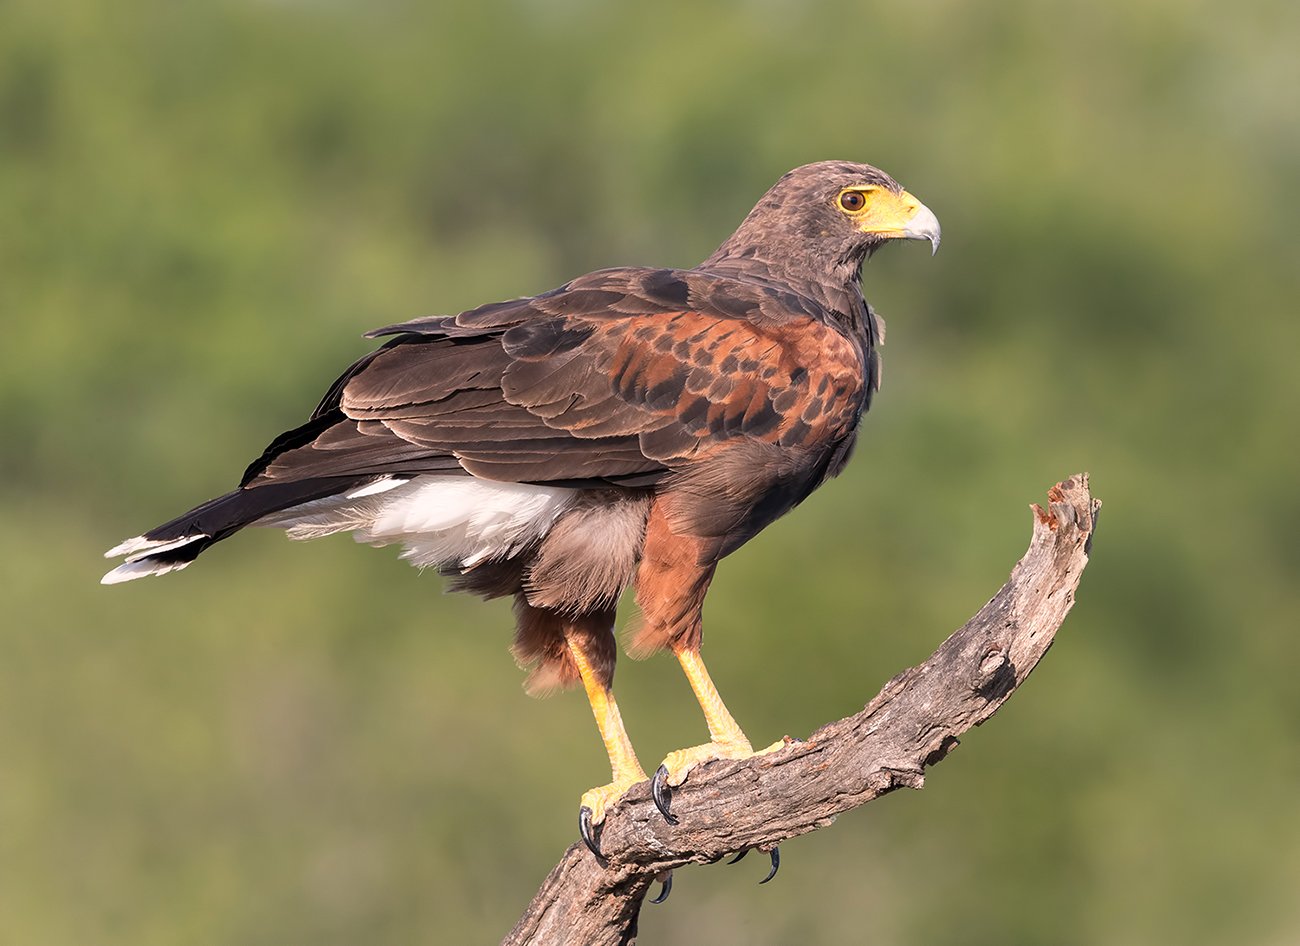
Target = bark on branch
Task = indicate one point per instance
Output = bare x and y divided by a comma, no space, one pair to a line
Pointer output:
729,806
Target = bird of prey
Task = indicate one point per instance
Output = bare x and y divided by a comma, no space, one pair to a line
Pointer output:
630,428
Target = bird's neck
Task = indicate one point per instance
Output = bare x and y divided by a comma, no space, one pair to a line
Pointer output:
835,285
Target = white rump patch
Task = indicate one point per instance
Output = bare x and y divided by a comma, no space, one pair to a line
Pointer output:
379,486
442,520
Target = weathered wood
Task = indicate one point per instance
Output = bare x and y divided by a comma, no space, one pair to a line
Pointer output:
729,806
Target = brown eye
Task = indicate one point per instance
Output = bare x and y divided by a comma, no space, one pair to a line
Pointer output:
852,201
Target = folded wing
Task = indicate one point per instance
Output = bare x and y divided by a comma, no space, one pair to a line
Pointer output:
617,379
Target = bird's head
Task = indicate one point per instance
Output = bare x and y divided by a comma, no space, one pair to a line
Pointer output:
828,216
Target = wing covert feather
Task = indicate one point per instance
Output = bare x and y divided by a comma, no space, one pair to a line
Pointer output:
622,373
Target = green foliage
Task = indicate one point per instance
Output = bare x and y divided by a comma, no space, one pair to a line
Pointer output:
308,744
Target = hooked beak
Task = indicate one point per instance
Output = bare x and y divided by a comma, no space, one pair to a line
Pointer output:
924,225
901,216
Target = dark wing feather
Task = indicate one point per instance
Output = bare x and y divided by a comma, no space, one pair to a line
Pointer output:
620,377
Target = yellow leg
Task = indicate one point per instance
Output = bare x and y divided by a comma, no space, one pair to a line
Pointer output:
728,741
723,728
627,770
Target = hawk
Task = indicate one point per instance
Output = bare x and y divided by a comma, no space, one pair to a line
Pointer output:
632,427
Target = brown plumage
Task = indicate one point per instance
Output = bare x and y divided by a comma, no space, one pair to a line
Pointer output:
631,426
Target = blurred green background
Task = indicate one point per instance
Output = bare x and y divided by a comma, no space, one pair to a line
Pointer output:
202,206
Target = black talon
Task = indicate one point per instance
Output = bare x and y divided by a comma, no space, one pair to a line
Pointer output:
667,880
663,794
590,835
738,857
776,865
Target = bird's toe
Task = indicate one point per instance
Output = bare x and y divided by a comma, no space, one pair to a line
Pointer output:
677,765
594,806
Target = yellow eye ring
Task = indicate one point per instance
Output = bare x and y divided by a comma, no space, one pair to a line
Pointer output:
853,201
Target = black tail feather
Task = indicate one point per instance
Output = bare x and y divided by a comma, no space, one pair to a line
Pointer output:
177,543
225,515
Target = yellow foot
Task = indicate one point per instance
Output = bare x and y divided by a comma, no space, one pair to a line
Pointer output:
674,769
597,802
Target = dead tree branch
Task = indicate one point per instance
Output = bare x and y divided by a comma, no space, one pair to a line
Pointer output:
729,806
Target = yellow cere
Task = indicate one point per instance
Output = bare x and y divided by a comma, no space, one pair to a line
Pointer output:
884,212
